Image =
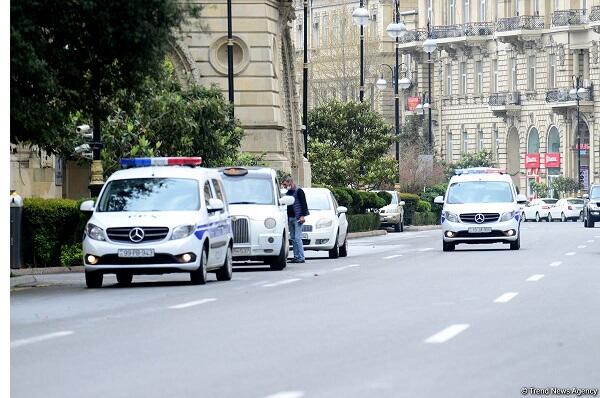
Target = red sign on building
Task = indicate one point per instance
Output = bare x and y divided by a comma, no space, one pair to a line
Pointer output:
412,102
552,160
532,160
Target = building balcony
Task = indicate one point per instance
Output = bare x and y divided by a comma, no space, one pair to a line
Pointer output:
412,39
595,18
561,100
515,25
569,18
505,102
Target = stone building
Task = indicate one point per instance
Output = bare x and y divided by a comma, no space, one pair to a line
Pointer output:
501,80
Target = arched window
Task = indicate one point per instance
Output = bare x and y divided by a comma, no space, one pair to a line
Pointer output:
533,141
553,140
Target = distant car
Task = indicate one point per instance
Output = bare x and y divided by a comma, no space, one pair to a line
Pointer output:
326,228
538,209
591,209
567,209
392,215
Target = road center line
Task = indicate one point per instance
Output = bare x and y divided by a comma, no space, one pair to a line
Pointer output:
581,246
37,339
590,241
283,282
346,267
506,297
556,263
192,303
394,256
535,278
570,254
287,394
427,249
447,334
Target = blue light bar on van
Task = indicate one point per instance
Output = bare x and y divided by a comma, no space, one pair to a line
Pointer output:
128,163
479,170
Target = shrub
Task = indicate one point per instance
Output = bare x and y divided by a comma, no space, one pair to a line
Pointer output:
371,200
385,196
71,255
423,206
410,206
363,222
428,218
431,193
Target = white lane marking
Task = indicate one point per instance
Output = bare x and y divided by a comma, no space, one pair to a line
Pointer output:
283,282
570,254
192,303
506,297
590,241
259,283
447,334
535,278
37,339
394,256
581,246
287,394
556,263
346,267
427,249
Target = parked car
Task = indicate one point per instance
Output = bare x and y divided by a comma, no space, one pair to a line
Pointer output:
538,209
566,209
392,215
154,218
591,209
258,215
326,228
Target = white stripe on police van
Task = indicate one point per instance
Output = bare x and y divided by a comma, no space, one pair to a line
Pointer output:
192,303
535,278
447,334
506,297
37,339
283,282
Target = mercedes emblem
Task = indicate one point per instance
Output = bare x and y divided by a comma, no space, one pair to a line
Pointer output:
136,235
479,218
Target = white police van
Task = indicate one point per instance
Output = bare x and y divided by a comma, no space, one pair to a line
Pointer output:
158,215
481,205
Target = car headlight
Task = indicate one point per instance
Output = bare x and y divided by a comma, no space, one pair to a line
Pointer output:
270,223
507,216
382,211
95,232
182,231
450,216
324,223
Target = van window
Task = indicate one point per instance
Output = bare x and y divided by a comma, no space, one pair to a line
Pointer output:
207,193
480,192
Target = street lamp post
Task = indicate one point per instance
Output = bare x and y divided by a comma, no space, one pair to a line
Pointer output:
361,17
429,46
305,82
230,55
578,92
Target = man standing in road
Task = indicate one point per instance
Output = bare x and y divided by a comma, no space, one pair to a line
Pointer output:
296,214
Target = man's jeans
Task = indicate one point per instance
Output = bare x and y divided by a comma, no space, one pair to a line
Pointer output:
296,237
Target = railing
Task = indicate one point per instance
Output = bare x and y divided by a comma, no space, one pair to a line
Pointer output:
478,28
564,95
569,17
506,98
444,32
413,35
595,14
523,22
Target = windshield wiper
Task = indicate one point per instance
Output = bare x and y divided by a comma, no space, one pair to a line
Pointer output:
243,203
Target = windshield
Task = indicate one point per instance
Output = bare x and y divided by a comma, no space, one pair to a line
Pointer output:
317,201
595,193
575,201
480,192
248,190
394,198
150,194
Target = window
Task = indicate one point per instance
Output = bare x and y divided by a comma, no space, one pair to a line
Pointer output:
219,192
551,71
584,6
300,37
494,79
207,193
325,36
479,77
481,143
480,192
451,16
482,10
513,74
334,28
553,140
463,78
430,10
533,141
496,140
316,40
465,139
249,190
466,11
531,73
517,6
449,145
449,79
536,7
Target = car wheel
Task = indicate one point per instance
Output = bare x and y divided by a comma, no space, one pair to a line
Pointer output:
124,278
335,251
279,263
344,248
587,223
516,245
93,279
580,216
549,218
563,218
226,271
523,217
537,217
398,227
199,276
448,246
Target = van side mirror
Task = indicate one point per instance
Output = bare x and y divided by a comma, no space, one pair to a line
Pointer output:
521,199
215,205
586,196
287,200
87,206
402,203
439,200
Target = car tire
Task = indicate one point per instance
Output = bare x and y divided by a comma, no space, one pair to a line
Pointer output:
580,216
402,225
335,251
343,251
199,276
226,271
448,246
124,278
549,218
398,227
537,217
563,218
587,223
523,217
280,262
93,279
516,245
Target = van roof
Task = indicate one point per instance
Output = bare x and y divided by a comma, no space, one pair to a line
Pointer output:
164,172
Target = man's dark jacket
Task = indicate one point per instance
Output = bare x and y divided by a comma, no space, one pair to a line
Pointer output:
300,207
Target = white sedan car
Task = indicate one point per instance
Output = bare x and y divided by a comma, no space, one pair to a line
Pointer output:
538,209
567,209
326,228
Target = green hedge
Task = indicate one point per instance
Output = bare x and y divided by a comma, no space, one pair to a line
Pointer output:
52,231
429,218
410,206
363,222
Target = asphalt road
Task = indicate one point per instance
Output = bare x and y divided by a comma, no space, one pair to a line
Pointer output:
397,318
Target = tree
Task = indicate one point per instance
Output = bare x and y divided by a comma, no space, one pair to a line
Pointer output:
565,185
66,56
349,145
482,158
540,189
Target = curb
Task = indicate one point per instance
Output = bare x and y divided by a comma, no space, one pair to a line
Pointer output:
44,271
356,235
422,227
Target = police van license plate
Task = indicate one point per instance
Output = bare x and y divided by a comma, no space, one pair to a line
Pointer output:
136,253
480,230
